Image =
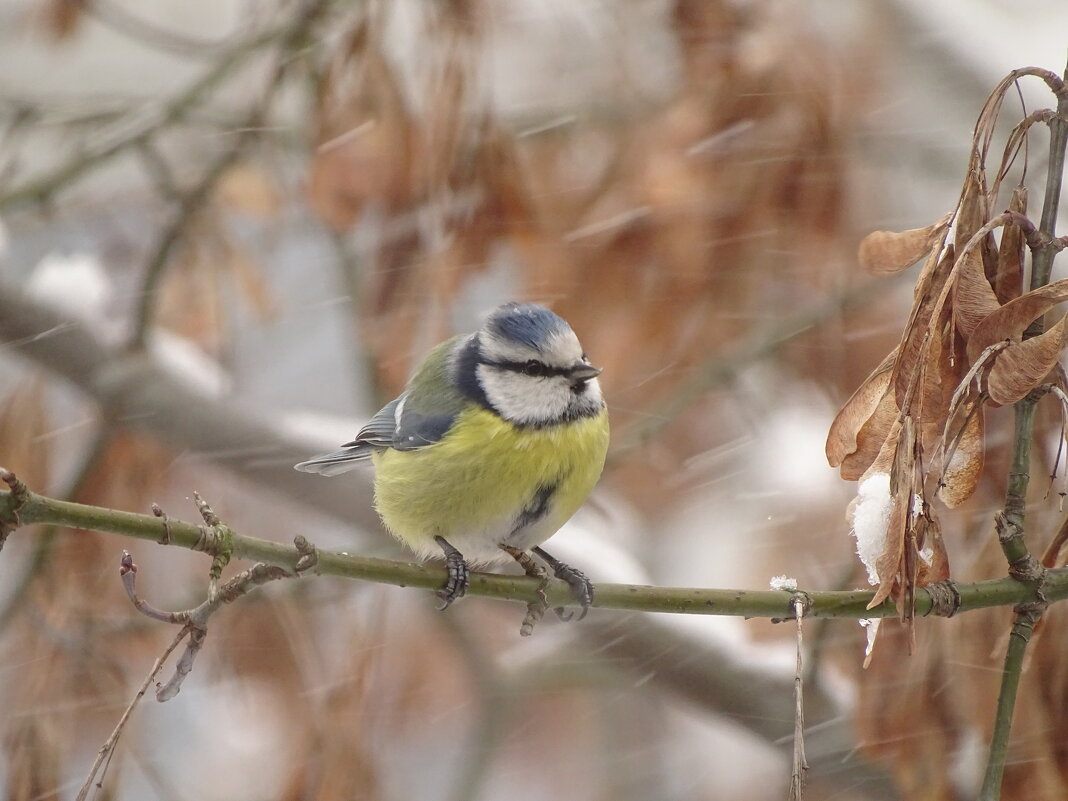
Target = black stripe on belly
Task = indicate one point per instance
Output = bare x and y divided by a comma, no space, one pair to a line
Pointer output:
537,507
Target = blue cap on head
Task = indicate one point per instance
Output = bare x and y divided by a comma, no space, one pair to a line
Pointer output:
527,323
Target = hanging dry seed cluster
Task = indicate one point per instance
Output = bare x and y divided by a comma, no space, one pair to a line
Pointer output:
973,339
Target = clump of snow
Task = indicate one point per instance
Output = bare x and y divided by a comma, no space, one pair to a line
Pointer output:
75,284
188,362
917,506
871,626
871,516
783,583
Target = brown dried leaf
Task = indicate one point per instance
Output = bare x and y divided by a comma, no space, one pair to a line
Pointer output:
973,297
928,300
943,362
1010,320
871,439
890,252
1024,365
937,569
842,436
1008,284
972,213
961,476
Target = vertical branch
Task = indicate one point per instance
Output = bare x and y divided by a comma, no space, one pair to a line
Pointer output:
1023,626
1042,263
1010,524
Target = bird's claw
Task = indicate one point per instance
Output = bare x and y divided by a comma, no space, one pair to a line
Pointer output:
581,586
458,575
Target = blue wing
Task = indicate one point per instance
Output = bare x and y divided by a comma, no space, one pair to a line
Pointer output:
394,426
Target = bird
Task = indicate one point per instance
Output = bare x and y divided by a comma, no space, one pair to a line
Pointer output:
496,441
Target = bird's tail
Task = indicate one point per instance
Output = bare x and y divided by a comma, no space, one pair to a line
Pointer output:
332,464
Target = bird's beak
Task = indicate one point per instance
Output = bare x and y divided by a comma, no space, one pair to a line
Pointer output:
583,372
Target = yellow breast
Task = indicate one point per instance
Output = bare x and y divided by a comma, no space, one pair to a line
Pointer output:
472,485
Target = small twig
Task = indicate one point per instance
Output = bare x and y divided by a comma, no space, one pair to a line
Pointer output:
157,510
128,574
800,762
1053,551
195,621
109,745
309,554
1017,137
1060,395
218,541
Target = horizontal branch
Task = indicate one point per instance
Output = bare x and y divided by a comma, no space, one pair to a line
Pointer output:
33,508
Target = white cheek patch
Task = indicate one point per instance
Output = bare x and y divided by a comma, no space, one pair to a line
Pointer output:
524,399
593,391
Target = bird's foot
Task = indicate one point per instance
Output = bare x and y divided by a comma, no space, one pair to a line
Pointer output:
458,575
581,586
535,609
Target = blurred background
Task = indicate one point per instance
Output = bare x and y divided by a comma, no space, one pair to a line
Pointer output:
229,228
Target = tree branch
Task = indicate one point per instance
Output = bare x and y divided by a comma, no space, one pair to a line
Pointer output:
774,604
1010,524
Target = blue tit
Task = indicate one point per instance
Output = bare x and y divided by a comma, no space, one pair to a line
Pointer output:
495,443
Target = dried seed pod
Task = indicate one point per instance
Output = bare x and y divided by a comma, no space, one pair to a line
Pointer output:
1021,367
890,252
973,297
928,301
1010,321
1008,283
961,475
858,410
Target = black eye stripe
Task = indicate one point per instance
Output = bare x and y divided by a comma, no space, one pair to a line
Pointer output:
531,368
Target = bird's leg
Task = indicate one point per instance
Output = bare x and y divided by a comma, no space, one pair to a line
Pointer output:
581,587
535,609
458,574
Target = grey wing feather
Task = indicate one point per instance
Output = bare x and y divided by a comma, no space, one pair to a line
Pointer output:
376,435
421,416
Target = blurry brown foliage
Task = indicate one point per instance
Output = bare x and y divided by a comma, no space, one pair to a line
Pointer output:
698,206
665,235
974,341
